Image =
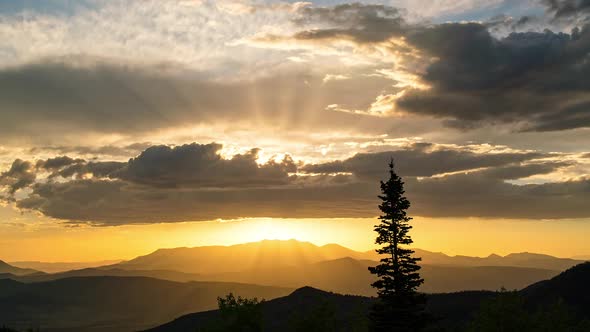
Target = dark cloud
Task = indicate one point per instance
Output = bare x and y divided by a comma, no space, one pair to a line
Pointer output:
99,169
363,23
519,171
20,175
193,182
501,24
54,98
476,194
106,150
567,8
196,165
117,202
190,165
58,162
418,161
537,81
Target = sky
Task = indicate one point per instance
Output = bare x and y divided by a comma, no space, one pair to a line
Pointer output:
128,125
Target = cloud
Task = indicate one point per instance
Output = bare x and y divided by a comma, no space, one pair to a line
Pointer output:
469,195
185,166
20,175
193,182
568,9
104,150
476,185
117,202
530,81
420,160
535,81
55,100
196,165
362,23
57,162
100,169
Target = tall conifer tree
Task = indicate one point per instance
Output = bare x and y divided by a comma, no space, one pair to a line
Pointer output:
399,307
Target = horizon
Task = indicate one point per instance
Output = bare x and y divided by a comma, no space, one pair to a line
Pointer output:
503,237
290,241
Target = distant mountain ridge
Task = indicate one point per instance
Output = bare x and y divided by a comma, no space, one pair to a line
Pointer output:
56,267
235,258
275,253
330,267
6,268
523,259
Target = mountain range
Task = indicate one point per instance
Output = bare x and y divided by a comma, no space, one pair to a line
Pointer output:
151,289
279,253
331,267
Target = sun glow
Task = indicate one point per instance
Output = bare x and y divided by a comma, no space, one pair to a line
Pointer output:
268,229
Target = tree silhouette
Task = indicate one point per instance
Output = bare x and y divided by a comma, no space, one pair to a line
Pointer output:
237,314
399,307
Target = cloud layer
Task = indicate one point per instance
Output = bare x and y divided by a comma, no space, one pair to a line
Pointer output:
194,182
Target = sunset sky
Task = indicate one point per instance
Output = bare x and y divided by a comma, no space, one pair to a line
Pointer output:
132,125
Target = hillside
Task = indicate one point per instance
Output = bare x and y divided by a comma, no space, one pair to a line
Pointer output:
283,313
112,303
111,272
57,267
344,312
572,287
6,268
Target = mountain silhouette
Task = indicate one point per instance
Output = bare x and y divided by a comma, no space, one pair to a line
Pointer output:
332,267
57,267
572,287
112,303
283,253
104,272
235,258
279,314
6,268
